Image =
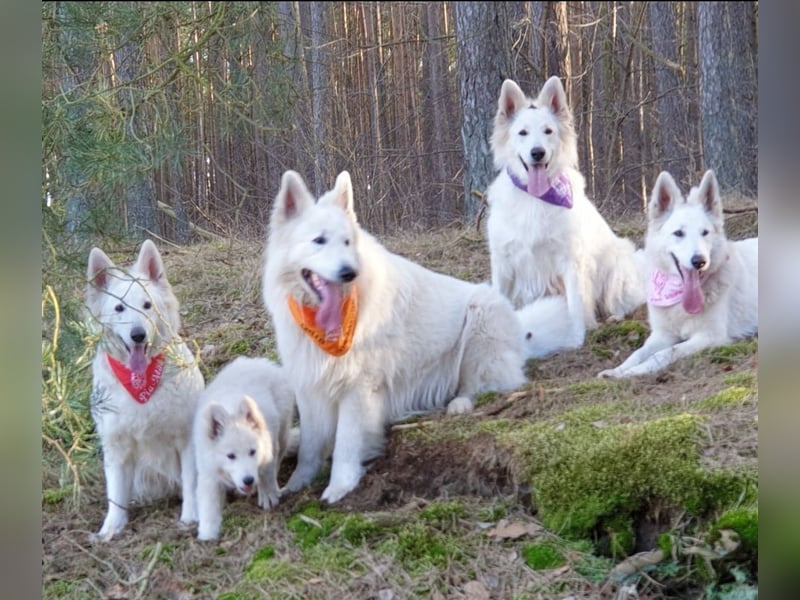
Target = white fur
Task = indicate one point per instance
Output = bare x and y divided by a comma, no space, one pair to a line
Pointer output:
538,249
241,433
548,325
423,340
146,447
682,230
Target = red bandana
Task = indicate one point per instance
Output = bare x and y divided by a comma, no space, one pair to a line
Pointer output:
139,385
306,319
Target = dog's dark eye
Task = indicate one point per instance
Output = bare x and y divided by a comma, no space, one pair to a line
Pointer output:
705,232
548,131
347,242
231,456
119,307
524,132
678,233
148,306
320,239
252,451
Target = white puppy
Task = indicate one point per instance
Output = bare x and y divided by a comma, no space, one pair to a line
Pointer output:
241,433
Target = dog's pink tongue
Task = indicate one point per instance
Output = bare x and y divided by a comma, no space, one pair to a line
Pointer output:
329,312
137,361
538,183
692,292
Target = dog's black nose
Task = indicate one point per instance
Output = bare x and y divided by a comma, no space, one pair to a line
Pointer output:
248,480
347,274
138,335
698,262
537,154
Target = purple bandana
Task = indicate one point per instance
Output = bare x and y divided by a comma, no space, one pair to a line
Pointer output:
559,194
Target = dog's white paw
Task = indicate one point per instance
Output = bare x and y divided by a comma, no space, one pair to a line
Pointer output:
459,406
334,493
207,533
115,522
301,477
268,500
608,374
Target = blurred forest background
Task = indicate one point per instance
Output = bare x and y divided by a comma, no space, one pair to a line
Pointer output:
177,119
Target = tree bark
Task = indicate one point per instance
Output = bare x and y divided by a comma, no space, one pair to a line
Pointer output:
728,76
483,41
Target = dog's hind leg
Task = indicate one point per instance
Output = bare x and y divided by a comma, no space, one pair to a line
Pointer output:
360,436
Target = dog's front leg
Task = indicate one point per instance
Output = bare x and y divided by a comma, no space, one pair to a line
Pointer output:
655,343
359,436
268,493
119,471
317,427
188,484
210,501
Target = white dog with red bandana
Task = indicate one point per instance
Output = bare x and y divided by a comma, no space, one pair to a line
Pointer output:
703,288
546,237
145,384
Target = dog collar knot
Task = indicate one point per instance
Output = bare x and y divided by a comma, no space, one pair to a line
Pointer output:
306,318
559,194
139,385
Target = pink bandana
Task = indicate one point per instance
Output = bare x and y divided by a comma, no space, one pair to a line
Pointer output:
668,290
139,385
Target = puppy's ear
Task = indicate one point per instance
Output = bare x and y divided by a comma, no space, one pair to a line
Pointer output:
216,418
664,197
707,194
251,413
292,199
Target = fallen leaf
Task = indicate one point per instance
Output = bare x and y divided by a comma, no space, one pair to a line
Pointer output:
512,531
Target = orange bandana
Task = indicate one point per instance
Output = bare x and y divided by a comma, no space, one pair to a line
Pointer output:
306,318
139,385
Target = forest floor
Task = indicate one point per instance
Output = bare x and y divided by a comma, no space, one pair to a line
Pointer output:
570,487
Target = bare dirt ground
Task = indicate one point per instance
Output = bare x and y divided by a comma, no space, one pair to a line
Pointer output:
437,516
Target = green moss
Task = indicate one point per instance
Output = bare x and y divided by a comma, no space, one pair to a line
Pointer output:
56,495
484,398
311,524
492,513
331,558
618,536
165,553
665,542
357,530
742,520
443,513
632,332
743,379
732,352
593,386
59,589
543,555
264,553
582,475
727,397
275,570
420,548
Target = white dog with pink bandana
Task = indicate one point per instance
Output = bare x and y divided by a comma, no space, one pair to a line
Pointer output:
703,288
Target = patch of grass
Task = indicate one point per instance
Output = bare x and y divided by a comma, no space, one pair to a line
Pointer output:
491,514
484,398
726,397
732,352
742,379
421,548
443,513
598,386
56,495
59,589
542,555
632,333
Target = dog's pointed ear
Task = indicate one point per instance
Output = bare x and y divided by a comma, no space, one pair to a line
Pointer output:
248,409
665,194
512,99
293,197
150,263
554,97
216,418
342,194
707,194
97,271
